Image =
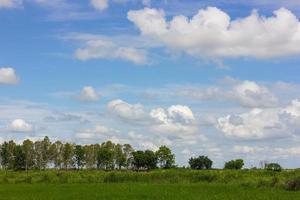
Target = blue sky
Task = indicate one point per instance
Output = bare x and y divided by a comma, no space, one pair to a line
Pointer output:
219,78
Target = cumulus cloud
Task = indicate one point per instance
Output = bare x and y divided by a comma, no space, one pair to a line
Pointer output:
88,93
10,3
8,76
250,94
95,132
212,33
20,125
262,123
105,49
176,119
126,111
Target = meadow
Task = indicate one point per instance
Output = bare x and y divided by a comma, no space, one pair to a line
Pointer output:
155,184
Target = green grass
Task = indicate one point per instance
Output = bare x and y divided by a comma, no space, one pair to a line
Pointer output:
139,191
158,184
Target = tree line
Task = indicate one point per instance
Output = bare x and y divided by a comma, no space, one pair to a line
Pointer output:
44,154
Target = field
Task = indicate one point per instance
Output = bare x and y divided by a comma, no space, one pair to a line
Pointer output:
157,184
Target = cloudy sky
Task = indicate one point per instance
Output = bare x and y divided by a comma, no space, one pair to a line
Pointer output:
210,77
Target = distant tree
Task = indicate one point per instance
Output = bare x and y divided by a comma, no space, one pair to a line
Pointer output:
4,155
234,164
105,156
19,158
150,159
28,150
38,154
56,152
120,157
90,155
45,151
273,167
79,156
165,157
11,157
68,153
201,162
128,150
144,160
139,160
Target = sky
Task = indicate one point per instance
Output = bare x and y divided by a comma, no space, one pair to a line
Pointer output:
208,77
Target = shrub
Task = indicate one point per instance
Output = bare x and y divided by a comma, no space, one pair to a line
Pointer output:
293,184
234,164
273,167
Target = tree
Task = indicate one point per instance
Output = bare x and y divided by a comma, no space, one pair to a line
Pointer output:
234,164
273,167
144,160
128,150
28,150
45,152
56,152
19,158
201,162
11,150
67,155
105,157
120,156
4,155
79,156
165,157
90,155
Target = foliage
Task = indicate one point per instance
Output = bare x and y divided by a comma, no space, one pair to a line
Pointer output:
234,164
273,167
201,162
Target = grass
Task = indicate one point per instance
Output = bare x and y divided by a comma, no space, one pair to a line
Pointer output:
138,191
158,184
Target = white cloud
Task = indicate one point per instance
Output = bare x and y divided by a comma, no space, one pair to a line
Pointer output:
105,49
88,93
211,33
100,4
126,111
177,119
149,146
250,94
262,123
8,76
10,3
19,125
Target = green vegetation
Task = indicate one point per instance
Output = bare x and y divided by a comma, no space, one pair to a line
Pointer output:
121,191
46,170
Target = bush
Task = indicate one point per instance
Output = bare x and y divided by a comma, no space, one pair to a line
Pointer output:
293,184
234,164
273,167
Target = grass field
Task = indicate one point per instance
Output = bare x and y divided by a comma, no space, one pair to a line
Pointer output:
138,191
157,184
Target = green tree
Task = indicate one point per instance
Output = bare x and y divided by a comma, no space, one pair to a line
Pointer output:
234,164
165,157
11,149
67,155
28,150
144,160
201,162
45,152
128,150
79,156
90,155
120,156
19,158
105,157
273,167
56,152
4,155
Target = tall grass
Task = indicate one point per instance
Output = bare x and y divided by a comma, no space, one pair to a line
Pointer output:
246,178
